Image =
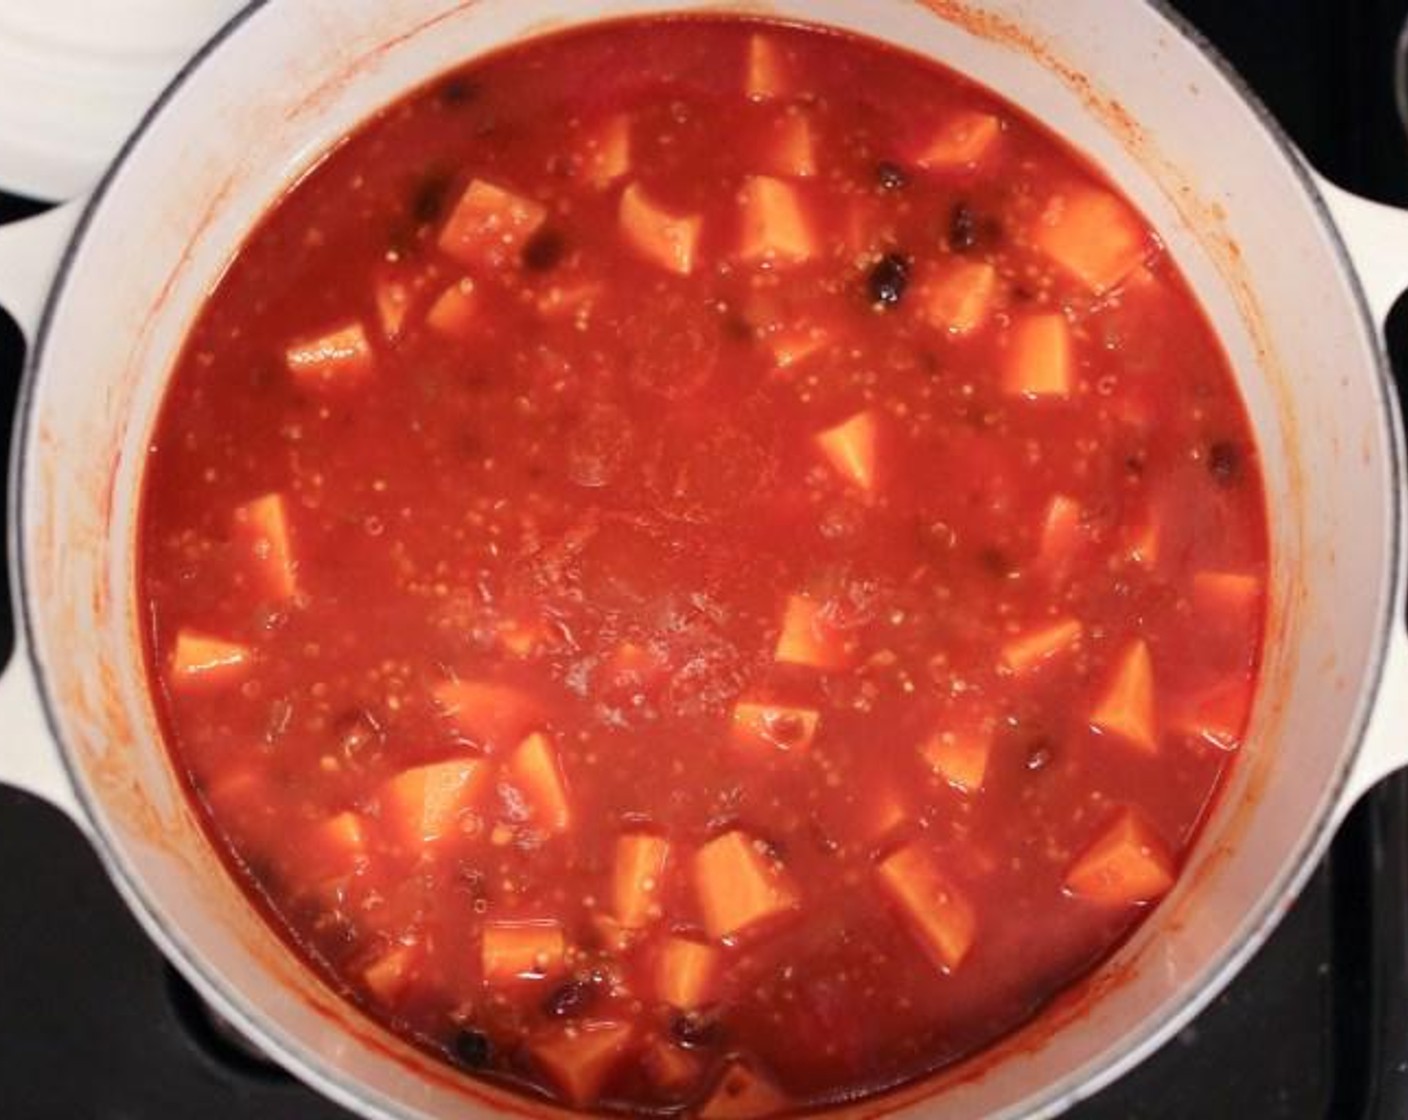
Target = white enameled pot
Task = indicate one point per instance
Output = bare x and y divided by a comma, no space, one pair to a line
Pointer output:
1295,275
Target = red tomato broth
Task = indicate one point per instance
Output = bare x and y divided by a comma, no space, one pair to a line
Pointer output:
596,484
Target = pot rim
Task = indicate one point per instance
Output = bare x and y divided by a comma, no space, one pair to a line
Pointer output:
1064,1092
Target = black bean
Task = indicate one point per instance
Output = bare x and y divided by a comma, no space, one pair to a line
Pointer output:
888,280
544,251
962,229
692,1029
472,1048
458,91
428,199
567,1000
1225,462
891,176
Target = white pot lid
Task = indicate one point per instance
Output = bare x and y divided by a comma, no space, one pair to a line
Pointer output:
79,74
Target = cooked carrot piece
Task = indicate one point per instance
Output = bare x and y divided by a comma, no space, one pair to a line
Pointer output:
671,1068
1218,717
738,886
1093,235
774,727
490,225
1127,708
1038,360
885,814
808,638
511,951
453,312
264,525
775,225
960,142
388,974
1229,595
1060,532
960,758
333,848
661,237
609,152
393,303
488,713
580,1057
201,659
742,1095
942,917
534,769
957,296
1127,864
345,833
766,76
1021,655
1144,549
793,152
850,448
342,355
685,972
639,878
424,803
791,346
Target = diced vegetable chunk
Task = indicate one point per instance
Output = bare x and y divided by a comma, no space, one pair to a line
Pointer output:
201,659
1039,362
808,637
488,713
490,225
639,878
957,296
453,312
939,914
793,151
766,76
530,950
738,886
393,304
1093,235
386,976
774,727
742,1095
960,142
1127,708
669,1067
1127,865
1233,595
775,225
685,972
608,155
425,803
535,770
263,523
885,814
959,757
1144,549
341,356
850,448
661,237
1060,533
580,1057
791,346
1030,651
1218,717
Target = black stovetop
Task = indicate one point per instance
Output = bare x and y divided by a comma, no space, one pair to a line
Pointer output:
93,1023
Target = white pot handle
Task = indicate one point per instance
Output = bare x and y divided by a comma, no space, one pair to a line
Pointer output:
1377,239
29,257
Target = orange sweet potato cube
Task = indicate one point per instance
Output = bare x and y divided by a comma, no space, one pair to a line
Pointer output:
660,236
741,1094
386,976
1092,234
1144,548
738,886
1038,362
850,448
425,803
338,842
608,152
1127,707
579,1058
490,225
765,76
959,757
535,770
774,727
793,150
528,950
1217,717
341,356
486,712
639,878
671,1068
1032,650
956,297
937,912
263,527
1231,596
775,227
808,638
960,142
686,972
453,312
198,659
1126,865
